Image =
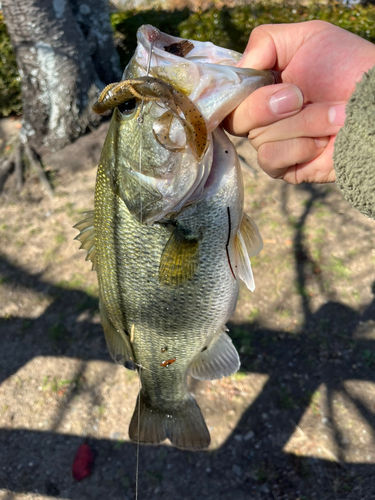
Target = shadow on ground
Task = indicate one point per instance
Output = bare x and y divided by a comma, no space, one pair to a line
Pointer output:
328,349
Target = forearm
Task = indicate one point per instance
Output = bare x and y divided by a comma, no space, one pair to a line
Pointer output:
354,149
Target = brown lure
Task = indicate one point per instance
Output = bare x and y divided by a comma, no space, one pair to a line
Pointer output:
153,89
168,362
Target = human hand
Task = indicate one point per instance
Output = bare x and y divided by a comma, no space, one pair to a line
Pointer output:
293,125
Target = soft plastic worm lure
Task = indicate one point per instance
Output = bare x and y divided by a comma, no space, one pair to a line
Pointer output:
153,89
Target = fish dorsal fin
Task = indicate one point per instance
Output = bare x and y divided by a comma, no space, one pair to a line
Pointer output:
248,242
218,359
179,260
87,236
118,342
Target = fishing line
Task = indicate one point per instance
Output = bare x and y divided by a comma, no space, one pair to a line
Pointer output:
140,122
140,117
139,426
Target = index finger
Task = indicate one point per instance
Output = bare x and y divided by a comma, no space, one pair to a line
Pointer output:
272,46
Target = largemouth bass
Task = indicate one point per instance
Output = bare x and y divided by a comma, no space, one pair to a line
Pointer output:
168,236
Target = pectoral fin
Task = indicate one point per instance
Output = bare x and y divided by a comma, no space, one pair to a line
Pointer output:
179,260
87,237
247,243
251,235
118,342
217,360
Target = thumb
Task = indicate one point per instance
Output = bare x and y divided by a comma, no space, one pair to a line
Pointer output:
264,106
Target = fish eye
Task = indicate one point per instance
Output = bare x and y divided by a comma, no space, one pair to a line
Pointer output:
127,107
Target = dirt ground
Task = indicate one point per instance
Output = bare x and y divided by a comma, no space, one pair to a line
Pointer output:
297,421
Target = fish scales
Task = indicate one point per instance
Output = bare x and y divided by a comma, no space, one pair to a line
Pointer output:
168,237
163,315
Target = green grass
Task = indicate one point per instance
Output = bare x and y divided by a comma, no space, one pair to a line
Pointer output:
252,316
155,475
60,239
338,268
118,444
49,255
284,313
228,27
4,409
10,82
238,376
77,281
54,384
315,402
89,302
125,481
101,410
285,400
262,473
26,324
243,340
369,358
57,332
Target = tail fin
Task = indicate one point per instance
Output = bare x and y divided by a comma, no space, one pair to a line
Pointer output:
184,426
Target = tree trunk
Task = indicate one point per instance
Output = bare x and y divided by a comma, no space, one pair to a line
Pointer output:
65,56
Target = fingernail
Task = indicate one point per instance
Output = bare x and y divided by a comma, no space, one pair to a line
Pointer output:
286,101
321,142
336,114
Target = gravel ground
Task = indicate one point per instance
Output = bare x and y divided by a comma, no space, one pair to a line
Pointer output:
297,422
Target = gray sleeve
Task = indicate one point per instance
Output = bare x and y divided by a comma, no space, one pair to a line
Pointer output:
354,150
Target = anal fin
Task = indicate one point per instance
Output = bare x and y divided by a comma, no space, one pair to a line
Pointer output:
118,342
184,425
218,359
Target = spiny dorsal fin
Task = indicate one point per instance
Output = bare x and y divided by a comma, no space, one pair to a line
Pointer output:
118,342
248,242
179,260
218,359
87,236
